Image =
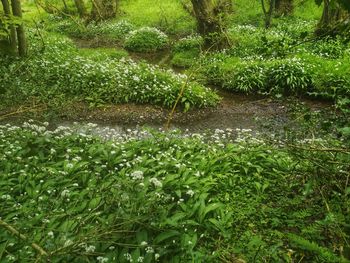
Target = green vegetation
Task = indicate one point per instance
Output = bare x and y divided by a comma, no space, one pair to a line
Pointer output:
111,30
146,39
186,50
65,73
278,62
169,16
88,194
171,197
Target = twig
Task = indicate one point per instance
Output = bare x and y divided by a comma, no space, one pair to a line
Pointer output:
182,90
18,111
340,150
15,232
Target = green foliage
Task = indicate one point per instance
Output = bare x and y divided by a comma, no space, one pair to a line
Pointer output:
112,30
146,39
171,197
322,254
188,43
277,76
167,15
329,48
278,61
186,50
6,22
62,71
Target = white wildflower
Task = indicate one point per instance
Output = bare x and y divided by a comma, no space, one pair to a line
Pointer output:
102,259
137,175
90,249
155,182
51,234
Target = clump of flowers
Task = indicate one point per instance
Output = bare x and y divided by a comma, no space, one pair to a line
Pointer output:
146,39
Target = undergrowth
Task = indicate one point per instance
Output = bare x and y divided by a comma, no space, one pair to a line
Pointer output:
65,72
148,196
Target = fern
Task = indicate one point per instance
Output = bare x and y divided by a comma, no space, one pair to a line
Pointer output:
324,254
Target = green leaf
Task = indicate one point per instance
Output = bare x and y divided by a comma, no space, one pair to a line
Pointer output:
2,249
94,202
165,235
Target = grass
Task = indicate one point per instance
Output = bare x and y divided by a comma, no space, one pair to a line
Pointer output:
166,15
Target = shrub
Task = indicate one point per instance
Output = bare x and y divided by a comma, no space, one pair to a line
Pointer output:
247,78
146,39
289,76
330,77
276,76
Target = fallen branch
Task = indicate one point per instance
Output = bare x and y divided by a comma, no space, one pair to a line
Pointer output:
23,110
15,232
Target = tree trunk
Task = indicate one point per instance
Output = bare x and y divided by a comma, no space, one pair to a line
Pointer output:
209,22
284,7
334,17
268,13
21,38
12,36
103,9
65,6
80,7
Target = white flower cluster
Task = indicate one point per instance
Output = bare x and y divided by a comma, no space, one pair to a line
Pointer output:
146,39
155,182
137,175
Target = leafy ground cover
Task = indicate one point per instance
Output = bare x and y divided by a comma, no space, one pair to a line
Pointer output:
63,72
68,195
149,196
280,61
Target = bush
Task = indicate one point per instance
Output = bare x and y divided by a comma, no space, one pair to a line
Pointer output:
289,76
146,39
276,76
247,78
330,77
193,42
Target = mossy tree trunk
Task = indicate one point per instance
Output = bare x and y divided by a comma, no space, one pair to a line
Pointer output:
103,9
334,18
12,34
210,21
284,7
80,5
21,38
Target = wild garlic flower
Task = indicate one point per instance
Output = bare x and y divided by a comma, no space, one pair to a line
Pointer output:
155,182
